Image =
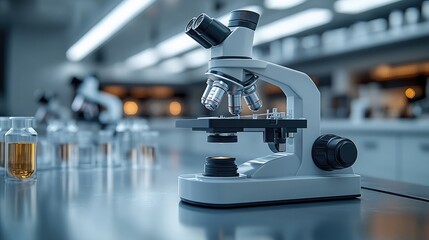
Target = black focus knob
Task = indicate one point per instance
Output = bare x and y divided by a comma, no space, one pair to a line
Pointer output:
331,152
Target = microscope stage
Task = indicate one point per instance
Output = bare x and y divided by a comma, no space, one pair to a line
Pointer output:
239,125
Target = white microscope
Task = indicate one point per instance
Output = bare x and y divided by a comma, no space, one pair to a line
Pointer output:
50,107
88,90
305,166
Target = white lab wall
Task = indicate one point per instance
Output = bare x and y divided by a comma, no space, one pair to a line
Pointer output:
36,60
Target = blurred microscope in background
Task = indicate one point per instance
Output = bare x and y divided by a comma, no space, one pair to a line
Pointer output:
420,108
50,107
89,97
97,136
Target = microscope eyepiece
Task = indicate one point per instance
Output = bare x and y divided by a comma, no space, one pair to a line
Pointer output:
210,29
244,18
194,35
43,99
75,82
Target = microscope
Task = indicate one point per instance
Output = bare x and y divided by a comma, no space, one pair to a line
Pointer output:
88,94
49,107
304,166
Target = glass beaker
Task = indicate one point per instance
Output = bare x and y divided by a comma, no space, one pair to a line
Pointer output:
21,144
4,127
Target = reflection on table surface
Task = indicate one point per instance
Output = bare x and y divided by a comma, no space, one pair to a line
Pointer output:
143,204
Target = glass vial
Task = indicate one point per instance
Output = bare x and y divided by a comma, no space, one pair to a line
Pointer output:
149,148
4,127
65,142
86,149
21,144
106,152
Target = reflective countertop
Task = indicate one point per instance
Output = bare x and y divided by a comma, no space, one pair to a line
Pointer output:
143,204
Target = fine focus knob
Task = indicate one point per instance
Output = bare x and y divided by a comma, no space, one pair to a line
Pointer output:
332,152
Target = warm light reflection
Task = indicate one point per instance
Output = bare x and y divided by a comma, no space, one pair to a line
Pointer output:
410,93
386,72
175,108
272,89
161,92
130,108
140,92
116,90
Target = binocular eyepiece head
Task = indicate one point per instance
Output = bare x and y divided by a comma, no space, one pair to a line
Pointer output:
209,32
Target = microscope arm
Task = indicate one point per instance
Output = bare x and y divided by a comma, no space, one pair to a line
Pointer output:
303,101
112,104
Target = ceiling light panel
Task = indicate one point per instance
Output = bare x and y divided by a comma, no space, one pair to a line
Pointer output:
282,4
147,58
106,28
292,24
359,6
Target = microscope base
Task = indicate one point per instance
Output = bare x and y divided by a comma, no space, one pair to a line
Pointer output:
242,191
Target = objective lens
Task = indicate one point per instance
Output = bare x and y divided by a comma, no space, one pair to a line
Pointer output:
207,91
194,35
252,99
215,95
234,103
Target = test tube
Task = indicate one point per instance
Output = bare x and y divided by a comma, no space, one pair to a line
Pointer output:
4,127
21,143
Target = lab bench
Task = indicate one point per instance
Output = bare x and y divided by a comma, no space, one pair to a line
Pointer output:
124,203
395,150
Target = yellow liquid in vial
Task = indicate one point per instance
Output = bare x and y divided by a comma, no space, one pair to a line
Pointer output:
2,154
21,161
67,151
132,154
106,149
149,153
